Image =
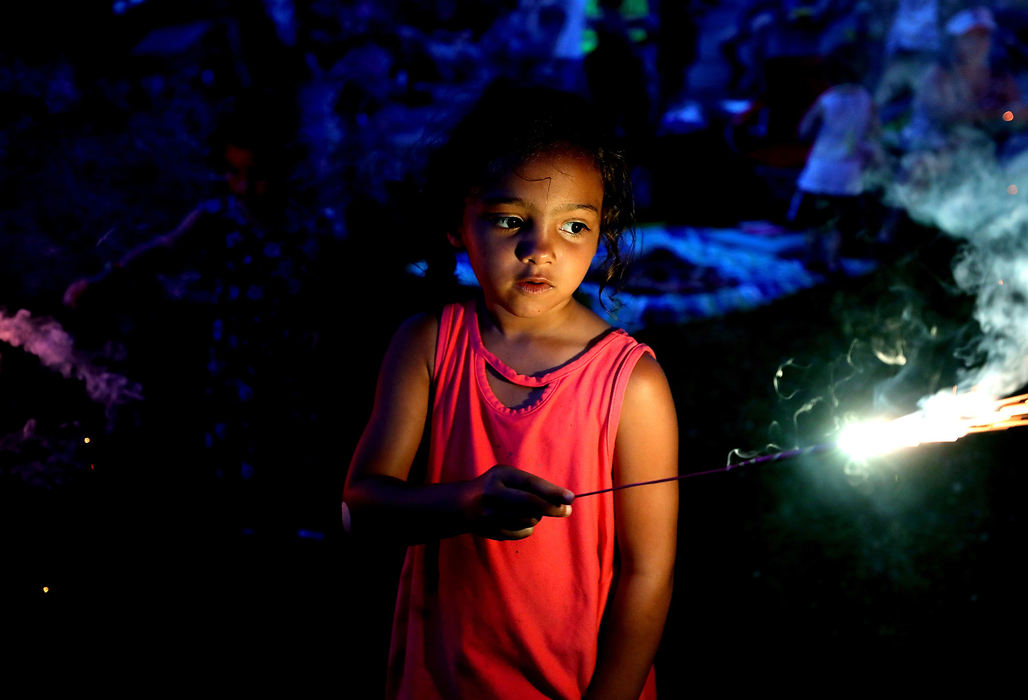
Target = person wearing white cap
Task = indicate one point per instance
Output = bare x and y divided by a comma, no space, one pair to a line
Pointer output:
965,98
971,19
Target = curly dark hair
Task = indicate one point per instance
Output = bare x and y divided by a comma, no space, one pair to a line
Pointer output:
508,126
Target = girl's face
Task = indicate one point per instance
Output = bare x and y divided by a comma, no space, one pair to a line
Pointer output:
532,235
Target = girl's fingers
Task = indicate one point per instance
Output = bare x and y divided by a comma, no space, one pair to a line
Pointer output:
514,524
511,502
515,501
515,534
542,488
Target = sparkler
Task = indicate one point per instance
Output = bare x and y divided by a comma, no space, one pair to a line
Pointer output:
943,418
776,457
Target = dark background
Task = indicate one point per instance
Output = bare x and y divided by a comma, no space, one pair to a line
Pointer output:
172,552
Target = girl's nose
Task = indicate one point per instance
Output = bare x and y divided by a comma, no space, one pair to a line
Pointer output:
534,246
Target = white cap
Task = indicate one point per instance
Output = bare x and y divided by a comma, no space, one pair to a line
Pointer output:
971,18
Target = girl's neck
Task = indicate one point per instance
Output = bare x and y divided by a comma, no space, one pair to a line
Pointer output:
535,345
505,325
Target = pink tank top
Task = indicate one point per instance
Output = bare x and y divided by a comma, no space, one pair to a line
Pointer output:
480,618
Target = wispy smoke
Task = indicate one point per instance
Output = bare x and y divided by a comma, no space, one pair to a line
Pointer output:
55,348
981,201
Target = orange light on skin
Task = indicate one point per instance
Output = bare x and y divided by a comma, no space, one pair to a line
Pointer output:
1008,116
1012,189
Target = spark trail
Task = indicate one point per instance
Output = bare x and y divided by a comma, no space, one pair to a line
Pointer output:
945,418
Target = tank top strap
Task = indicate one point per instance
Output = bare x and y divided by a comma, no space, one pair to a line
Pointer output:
630,354
450,327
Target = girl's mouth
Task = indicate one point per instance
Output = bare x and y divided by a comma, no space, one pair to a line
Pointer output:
534,285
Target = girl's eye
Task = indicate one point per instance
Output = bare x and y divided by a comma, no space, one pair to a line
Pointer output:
575,228
506,221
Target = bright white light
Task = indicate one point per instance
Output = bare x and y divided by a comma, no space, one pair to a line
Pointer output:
944,417
873,438
861,441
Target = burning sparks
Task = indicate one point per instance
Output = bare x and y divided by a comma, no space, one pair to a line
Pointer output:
945,418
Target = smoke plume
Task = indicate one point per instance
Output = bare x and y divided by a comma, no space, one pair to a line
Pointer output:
55,348
979,200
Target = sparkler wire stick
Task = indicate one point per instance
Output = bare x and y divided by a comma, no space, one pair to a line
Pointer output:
777,457
962,415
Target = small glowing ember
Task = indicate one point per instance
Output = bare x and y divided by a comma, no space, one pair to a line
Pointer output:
1008,116
1012,189
944,418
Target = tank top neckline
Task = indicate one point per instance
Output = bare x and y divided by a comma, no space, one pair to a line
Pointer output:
539,380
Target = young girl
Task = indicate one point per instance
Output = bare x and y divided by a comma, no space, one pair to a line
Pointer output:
531,399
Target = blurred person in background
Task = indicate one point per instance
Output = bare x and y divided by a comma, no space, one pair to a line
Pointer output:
828,200
967,96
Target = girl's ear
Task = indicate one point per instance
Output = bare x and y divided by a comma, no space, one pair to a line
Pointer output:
455,240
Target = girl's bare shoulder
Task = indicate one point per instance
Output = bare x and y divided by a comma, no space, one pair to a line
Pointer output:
415,339
422,326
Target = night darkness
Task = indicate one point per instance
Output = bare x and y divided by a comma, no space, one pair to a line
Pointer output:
206,242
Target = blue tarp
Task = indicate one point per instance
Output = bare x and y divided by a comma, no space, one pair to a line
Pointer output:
748,267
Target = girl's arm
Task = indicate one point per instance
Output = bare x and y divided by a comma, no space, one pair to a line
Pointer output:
647,527
503,503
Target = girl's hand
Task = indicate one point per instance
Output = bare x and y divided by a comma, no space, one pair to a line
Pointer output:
507,503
